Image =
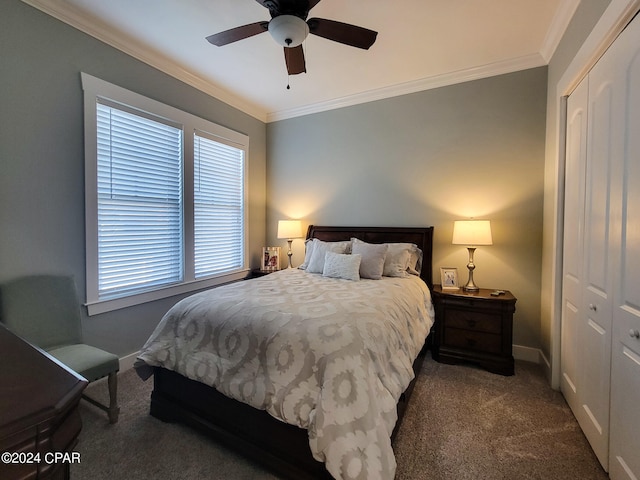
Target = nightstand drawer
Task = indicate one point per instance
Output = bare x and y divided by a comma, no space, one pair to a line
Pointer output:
471,340
477,321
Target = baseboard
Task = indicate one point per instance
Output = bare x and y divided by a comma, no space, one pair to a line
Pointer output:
527,354
126,362
546,367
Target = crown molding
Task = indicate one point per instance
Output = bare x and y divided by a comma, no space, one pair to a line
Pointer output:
428,83
97,29
558,26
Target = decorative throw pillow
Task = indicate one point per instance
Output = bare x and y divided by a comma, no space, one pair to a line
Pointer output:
373,257
341,265
320,248
401,258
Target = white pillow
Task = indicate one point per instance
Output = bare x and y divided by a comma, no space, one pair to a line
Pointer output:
415,262
308,250
373,257
320,248
340,265
401,258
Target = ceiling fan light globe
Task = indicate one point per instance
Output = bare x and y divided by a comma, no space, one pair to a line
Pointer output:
288,30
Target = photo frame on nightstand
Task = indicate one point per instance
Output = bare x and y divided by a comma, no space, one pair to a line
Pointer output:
270,259
449,278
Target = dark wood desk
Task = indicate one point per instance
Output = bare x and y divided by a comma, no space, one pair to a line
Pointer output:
39,417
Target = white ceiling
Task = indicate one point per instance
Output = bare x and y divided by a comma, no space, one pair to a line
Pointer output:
421,44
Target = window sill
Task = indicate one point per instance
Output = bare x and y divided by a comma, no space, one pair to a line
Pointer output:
104,306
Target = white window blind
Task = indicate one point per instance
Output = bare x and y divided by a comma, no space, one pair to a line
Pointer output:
140,226
218,206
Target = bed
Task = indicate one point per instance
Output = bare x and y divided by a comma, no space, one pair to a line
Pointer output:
304,400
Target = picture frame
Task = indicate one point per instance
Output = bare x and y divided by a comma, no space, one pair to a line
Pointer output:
270,259
449,278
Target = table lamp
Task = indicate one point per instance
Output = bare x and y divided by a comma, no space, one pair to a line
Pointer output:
471,233
289,229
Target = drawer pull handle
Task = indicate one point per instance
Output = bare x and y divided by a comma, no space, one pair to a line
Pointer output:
593,307
634,333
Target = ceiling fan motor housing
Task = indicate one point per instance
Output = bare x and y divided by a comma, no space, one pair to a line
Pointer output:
288,30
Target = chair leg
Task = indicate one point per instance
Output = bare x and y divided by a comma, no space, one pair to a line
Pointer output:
114,410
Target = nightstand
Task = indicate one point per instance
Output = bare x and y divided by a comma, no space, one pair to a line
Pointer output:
255,273
474,327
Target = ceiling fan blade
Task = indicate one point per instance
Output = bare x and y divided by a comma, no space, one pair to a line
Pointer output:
238,33
294,57
342,32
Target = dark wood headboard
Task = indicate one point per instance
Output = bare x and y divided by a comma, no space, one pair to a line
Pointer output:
420,236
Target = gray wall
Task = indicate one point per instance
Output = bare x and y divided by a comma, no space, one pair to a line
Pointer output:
474,149
42,155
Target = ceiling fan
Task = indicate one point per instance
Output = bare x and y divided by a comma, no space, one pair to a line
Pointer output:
289,27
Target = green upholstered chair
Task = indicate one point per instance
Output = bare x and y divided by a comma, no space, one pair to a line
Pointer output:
45,311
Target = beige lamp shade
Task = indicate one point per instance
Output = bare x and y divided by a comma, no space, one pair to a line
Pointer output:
289,229
472,232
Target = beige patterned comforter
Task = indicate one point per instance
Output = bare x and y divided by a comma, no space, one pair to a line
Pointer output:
329,355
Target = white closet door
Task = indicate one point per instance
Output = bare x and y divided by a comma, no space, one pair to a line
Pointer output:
575,167
601,297
625,386
604,136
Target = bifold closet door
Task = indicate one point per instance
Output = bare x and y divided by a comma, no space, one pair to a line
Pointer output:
624,460
571,349
586,315
605,133
601,273
594,136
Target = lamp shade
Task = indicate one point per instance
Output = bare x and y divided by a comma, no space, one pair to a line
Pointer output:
472,232
289,229
288,30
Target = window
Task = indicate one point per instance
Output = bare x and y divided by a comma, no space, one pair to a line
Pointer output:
139,203
218,206
165,209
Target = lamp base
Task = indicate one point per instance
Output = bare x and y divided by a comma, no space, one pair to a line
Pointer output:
290,253
470,286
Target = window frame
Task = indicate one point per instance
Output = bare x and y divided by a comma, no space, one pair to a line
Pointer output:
94,89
